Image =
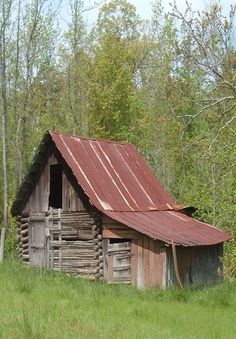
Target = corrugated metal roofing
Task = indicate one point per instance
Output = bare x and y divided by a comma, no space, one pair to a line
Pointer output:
119,183
114,175
171,226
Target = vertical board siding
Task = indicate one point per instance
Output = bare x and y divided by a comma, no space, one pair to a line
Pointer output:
140,270
152,266
148,258
134,261
153,263
197,266
71,202
39,199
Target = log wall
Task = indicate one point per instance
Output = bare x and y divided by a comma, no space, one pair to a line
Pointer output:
23,236
81,245
75,247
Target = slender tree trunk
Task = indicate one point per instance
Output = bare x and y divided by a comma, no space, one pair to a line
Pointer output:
17,118
5,17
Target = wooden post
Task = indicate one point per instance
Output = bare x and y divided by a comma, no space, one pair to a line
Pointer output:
2,242
176,265
60,239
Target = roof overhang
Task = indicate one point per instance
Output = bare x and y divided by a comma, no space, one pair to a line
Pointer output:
171,226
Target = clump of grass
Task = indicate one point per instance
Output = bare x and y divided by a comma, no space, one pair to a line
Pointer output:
222,295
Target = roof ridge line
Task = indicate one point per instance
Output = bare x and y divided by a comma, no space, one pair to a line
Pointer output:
90,138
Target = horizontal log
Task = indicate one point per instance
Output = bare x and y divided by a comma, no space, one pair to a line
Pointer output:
25,240
37,219
25,220
71,269
85,237
25,251
80,264
80,256
55,243
77,233
76,259
24,226
78,249
25,257
77,254
26,245
24,232
77,243
122,268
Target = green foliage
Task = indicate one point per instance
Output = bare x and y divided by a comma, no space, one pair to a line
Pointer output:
41,304
112,87
167,85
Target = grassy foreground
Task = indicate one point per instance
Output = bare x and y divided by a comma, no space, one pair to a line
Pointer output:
39,304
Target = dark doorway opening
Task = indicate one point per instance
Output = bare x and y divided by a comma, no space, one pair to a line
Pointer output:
55,196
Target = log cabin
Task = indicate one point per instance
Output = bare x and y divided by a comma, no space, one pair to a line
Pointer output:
93,208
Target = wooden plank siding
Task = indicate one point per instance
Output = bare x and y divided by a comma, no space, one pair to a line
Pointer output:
39,199
79,243
197,266
148,256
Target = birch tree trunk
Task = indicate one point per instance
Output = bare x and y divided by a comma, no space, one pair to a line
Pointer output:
5,13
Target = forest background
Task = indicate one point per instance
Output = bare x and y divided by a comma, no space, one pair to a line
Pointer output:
168,85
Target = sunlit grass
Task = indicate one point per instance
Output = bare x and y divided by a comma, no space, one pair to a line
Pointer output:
40,304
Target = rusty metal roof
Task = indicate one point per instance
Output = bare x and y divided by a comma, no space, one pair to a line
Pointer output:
171,226
113,174
119,183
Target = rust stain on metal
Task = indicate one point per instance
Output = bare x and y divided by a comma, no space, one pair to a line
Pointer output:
113,174
168,226
120,184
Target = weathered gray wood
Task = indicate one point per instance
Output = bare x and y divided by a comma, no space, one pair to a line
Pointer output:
24,232
25,240
25,225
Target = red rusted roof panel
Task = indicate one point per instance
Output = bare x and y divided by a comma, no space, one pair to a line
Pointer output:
171,226
113,175
118,182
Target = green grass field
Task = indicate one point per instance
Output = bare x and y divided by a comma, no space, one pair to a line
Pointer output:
39,304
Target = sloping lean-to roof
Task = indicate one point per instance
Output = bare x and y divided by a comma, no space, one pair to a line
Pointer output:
119,183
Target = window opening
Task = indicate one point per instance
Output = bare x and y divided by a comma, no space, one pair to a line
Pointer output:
55,196
118,240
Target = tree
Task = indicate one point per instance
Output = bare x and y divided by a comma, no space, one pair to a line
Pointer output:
112,85
73,65
212,53
4,26
36,53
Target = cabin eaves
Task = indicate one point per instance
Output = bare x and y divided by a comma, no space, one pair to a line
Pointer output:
120,184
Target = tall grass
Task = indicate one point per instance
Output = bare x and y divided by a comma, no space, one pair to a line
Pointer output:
41,304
